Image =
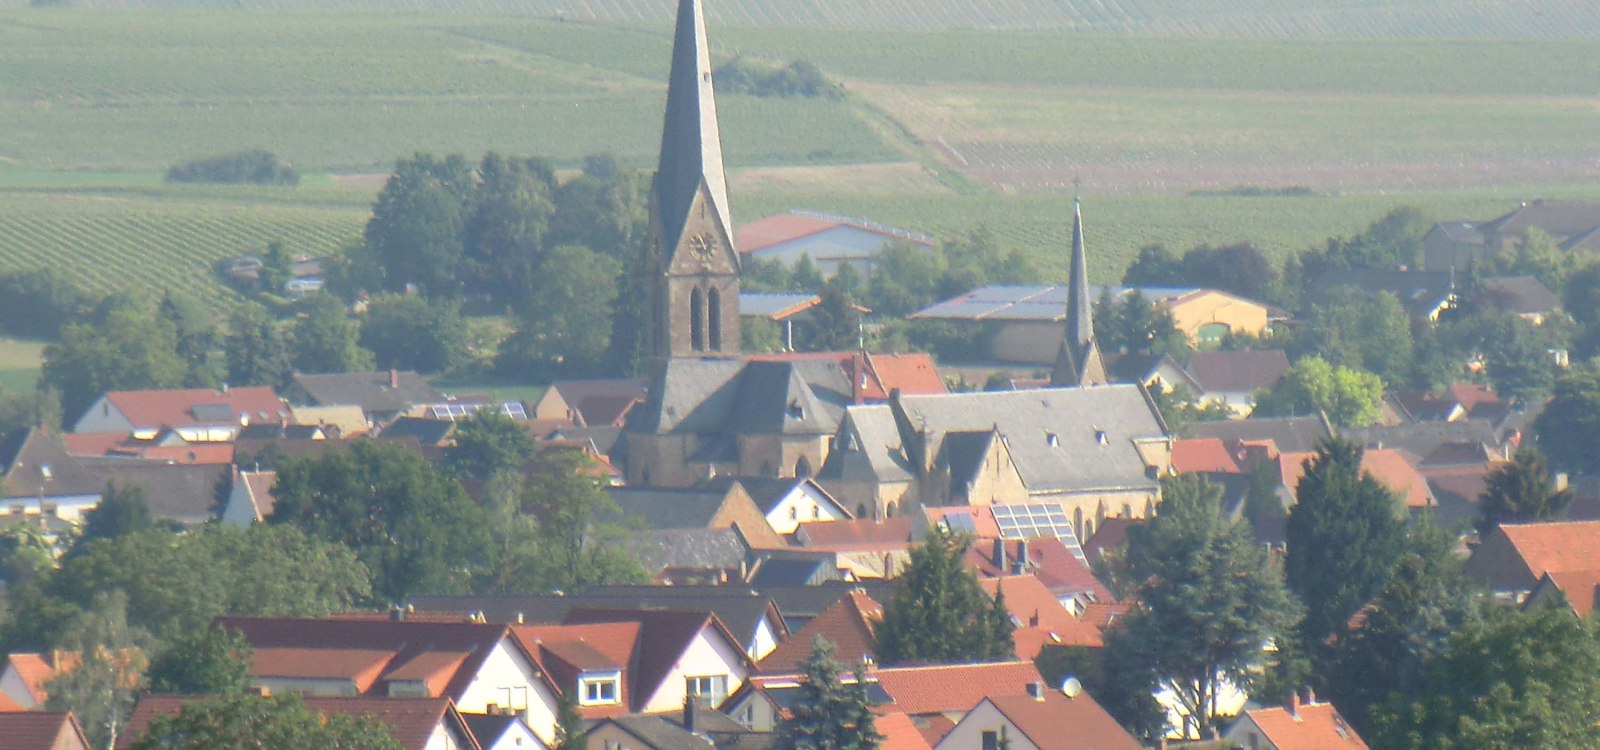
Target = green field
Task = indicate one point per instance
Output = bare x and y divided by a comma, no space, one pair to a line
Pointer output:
947,128
19,364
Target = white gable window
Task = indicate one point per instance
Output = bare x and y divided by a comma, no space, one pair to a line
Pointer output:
600,688
712,689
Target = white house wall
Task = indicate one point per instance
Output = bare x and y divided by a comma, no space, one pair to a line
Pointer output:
102,416
828,247
968,733
708,654
16,688
803,503
506,668
765,641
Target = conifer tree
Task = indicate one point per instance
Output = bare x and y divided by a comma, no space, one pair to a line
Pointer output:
828,714
939,613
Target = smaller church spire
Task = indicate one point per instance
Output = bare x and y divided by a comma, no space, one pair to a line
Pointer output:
1079,361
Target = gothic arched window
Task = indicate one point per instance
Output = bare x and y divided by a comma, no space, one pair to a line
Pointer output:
714,315
697,319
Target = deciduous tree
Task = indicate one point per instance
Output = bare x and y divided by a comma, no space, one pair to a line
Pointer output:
209,661
412,332
262,723
327,339
101,689
1568,424
1350,397
257,347
486,443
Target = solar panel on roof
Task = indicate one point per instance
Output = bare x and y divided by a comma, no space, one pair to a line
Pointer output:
212,412
1033,520
960,523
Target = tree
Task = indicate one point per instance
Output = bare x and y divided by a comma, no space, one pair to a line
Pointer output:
121,510
415,232
277,268
257,349
1517,358
210,661
507,219
1360,329
1403,629
124,345
36,303
101,689
565,327
581,542
1134,323
1350,397
835,324
569,723
327,339
1568,424
1155,266
938,612
197,335
1509,681
265,723
1519,492
263,570
412,526
1345,533
488,442
827,714
515,560
412,332
1207,604
1239,268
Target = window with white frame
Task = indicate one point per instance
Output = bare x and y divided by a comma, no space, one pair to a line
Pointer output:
711,689
600,689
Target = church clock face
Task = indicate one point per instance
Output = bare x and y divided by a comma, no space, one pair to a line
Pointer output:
703,246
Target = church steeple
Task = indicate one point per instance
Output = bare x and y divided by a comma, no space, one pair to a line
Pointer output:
1078,362
697,269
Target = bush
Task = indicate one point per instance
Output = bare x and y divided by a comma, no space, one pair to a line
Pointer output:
797,80
37,303
255,167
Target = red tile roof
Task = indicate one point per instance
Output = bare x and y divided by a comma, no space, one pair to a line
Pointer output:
773,230
911,374
848,624
1387,465
1056,722
1042,620
410,721
1313,726
36,668
6,704
154,409
1581,588
564,651
1055,565
664,636
952,687
899,733
40,730
284,645
857,535
1559,547
1202,454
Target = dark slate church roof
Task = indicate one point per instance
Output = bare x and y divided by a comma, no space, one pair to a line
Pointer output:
731,397
691,141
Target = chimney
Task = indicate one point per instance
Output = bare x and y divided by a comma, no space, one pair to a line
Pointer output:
999,556
1311,697
1036,690
1022,553
1033,622
394,378
690,708
1294,704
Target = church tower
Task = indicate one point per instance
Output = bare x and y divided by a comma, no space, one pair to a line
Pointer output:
696,283
1078,362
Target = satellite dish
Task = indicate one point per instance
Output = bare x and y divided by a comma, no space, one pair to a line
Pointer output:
1071,687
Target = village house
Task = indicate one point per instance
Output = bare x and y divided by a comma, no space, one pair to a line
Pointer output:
1043,718
414,723
1458,243
381,396
41,730
828,240
1297,726
1513,559
197,415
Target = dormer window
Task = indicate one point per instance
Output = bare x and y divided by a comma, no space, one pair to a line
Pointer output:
1101,437
600,688
796,411
1051,439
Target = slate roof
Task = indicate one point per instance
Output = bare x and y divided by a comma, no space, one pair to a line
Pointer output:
372,391
688,548
880,452
1556,219
1312,726
667,509
728,397
153,409
1420,293
41,730
424,431
791,571
1423,438
1459,231
1237,372
1056,722
1061,439
187,493
798,604
738,607
657,733
1289,434
1523,295
28,454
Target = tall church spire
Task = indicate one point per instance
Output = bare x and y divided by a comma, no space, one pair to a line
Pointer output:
696,271
1078,362
691,141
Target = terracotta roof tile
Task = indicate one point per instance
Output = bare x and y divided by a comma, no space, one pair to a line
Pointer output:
1042,621
1560,547
1239,371
564,651
764,233
7,705
952,687
909,373
1048,559
1581,588
1313,726
35,669
433,669
40,730
1387,465
856,535
153,409
899,733
1056,722
664,636
848,624
360,666
1202,455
